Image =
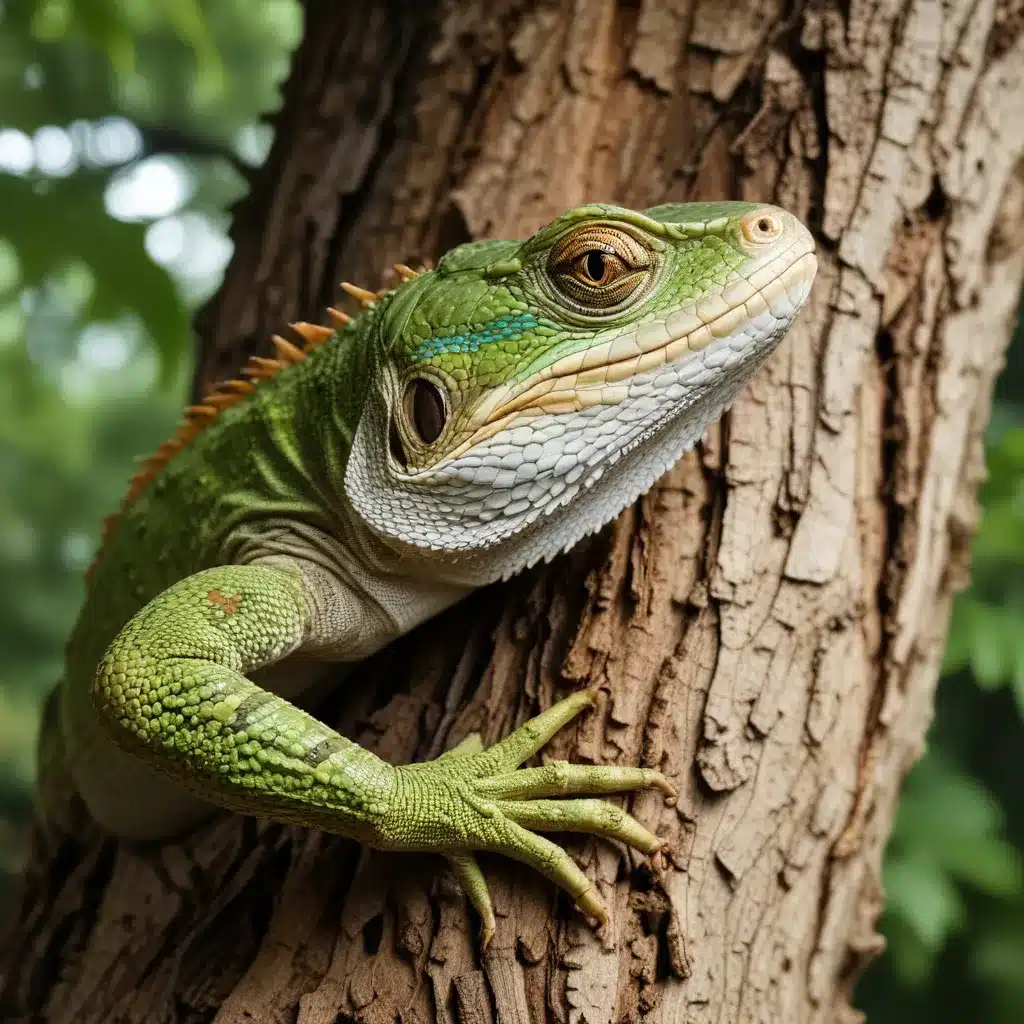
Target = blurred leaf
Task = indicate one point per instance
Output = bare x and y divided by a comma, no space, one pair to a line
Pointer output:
961,634
187,18
84,309
989,661
939,799
998,956
125,279
113,26
1018,672
908,959
990,864
925,898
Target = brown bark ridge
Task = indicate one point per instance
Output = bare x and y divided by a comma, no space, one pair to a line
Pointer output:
766,625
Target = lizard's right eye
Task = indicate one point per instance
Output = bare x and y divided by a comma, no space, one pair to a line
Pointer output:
425,409
600,267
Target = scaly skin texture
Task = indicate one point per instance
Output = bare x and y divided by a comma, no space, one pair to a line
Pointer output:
478,418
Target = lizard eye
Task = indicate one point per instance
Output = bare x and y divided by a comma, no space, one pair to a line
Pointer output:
598,267
425,409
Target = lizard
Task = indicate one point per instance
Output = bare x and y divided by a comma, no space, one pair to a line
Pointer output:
475,419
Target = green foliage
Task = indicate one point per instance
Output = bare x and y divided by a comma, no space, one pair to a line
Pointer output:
209,69
65,67
93,246
123,125
95,294
925,881
986,635
954,873
113,27
62,467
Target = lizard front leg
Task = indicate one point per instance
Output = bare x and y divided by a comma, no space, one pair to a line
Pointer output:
172,688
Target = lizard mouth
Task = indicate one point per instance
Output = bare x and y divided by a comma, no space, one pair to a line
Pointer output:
600,374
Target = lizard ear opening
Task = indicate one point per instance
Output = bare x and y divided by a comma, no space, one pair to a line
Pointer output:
425,409
395,441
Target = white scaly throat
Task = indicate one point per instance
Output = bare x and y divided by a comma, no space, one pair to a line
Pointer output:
536,487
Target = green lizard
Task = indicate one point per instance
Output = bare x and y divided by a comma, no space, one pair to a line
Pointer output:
476,419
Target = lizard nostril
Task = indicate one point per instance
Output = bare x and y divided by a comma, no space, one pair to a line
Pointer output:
762,227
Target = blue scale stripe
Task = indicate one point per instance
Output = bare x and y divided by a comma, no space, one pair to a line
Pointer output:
505,328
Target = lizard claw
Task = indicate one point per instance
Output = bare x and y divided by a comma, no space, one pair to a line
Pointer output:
471,799
589,903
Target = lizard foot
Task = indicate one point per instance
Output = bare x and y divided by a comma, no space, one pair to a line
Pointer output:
471,799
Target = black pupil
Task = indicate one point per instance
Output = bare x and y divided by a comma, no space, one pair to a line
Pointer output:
765,226
426,408
595,265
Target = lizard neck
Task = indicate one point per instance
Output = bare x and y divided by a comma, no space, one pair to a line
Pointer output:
284,454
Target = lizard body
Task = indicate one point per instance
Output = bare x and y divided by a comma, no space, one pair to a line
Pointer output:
476,419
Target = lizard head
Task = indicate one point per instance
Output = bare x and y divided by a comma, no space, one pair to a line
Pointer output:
524,393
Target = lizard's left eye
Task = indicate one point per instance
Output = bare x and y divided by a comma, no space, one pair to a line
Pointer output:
599,267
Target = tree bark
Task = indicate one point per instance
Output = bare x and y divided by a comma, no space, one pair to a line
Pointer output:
766,625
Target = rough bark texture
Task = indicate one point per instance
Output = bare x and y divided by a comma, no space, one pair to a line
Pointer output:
766,625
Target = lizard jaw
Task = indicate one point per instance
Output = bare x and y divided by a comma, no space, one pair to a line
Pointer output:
477,517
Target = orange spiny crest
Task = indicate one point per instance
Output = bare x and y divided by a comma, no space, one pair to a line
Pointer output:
362,295
338,318
222,399
201,412
313,335
287,352
260,367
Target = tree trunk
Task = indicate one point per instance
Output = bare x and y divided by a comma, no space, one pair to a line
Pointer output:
766,625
